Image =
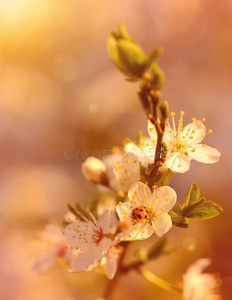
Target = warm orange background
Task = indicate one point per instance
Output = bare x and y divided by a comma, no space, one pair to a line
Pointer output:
58,89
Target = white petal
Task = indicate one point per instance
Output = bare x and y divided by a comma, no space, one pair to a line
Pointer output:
109,262
197,132
206,154
141,231
44,263
178,162
102,248
199,265
149,152
164,198
151,130
124,210
105,220
80,234
85,259
127,171
141,193
169,134
133,148
162,224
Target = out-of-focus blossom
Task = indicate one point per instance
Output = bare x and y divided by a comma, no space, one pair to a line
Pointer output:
183,144
95,171
198,285
52,247
127,171
93,237
146,211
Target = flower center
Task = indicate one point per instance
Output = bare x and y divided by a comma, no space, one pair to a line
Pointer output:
141,213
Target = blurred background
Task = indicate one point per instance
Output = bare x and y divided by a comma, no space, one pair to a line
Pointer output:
61,95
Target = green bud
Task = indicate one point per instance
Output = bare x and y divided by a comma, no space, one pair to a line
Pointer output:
164,112
161,247
157,77
126,54
145,101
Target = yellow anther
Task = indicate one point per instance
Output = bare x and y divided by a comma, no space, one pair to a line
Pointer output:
203,119
166,198
129,228
175,136
118,162
182,113
86,229
153,141
180,121
163,210
193,119
119,203
143,201
127,161
193,131
143,221
172,113
157,197
170,131
151,129
187,134
146,196
143,185
197,123
126,155
193,150
210,131
191,137
143,231
135,161
136,192
74,237
126,171
136,228
203,145
154,186
157,218
203,136
155,229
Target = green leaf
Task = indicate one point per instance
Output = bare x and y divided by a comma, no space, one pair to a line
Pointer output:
177,210
157,77
82,212
180,221
145,101
72,209
161,247
188,210
193,196
153,55
205,210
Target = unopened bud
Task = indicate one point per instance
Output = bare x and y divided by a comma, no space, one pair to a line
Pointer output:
95,171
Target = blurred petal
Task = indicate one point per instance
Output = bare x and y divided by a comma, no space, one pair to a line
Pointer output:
178,162
162,224
109,262
204,154
164,198
141,231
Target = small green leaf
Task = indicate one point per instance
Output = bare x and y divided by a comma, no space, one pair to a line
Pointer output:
180,221
157,77
153,55
193,196
188,210
82,212
161,247
141,254
72,209
177,210
145,101
206,210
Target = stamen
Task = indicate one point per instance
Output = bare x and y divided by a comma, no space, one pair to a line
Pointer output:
210,131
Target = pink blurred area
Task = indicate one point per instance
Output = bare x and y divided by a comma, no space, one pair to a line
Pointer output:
59,92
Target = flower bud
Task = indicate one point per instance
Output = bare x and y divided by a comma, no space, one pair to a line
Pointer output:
95,171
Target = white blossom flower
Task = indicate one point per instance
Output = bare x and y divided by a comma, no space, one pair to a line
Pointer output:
95,170
183,144
93,237
127,171
198,285
146,211
52,248
137,149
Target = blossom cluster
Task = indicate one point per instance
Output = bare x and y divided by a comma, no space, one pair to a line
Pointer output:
91,241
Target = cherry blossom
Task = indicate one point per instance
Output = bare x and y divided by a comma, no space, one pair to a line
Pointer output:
183,144
147,212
